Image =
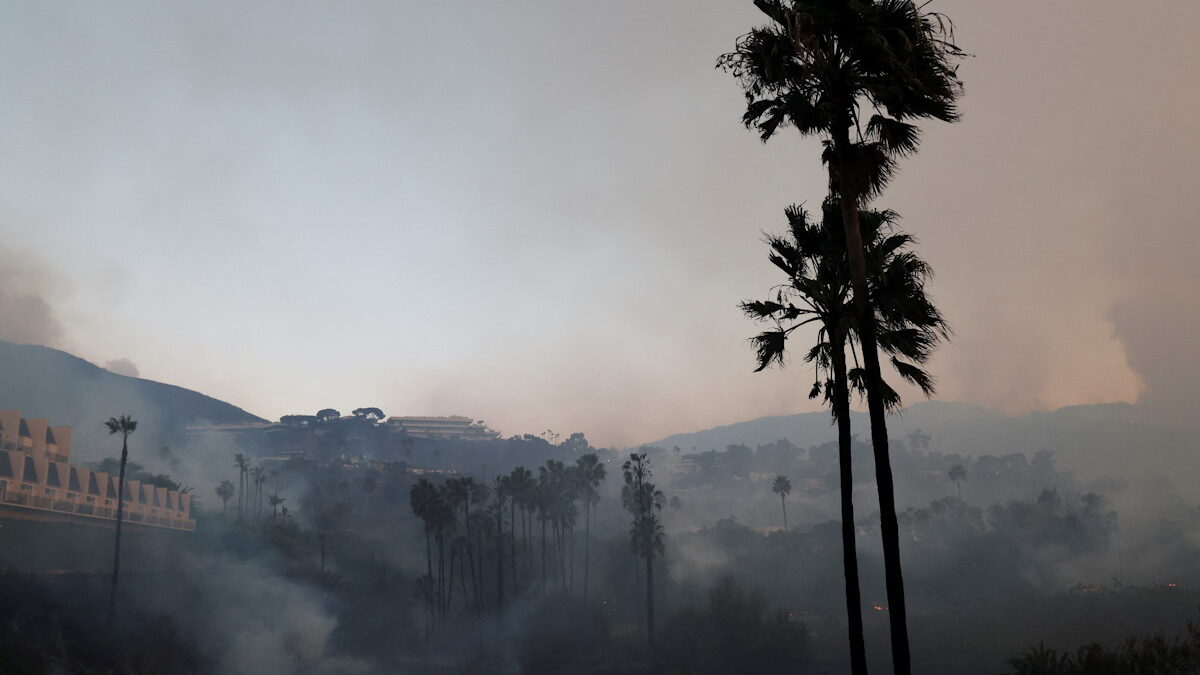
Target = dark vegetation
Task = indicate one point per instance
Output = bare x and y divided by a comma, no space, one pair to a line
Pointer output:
337,577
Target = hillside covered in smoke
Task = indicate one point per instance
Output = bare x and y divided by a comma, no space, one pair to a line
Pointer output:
67,390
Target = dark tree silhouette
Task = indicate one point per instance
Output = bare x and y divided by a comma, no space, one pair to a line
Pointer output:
782,487
276,501
957,474
372,415
591,474
225,492
242,465
818,66
523,489
818,291
327,415
123,425
642,499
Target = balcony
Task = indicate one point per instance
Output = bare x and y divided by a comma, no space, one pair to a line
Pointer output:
25,499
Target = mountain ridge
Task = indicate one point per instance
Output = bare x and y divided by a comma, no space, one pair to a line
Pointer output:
43,382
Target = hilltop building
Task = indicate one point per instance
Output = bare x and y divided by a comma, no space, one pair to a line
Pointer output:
37,482
455,427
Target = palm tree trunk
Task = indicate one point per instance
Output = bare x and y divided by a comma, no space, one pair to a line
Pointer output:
587,545
428,571
562,556
512,541
650,603
637,589
462,579
450,593
499,558
783,503
841,402
470,555
480,590
112,591
890,529
543,557
442,604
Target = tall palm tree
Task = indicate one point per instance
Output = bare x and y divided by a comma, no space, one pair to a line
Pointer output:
642,499
225,492
818,291
242,464
591,474
819,66
958,474
500,491
275,501
520,482
256,480
782,487
422,499
123,425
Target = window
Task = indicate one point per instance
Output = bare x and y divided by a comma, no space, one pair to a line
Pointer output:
72,495
27,488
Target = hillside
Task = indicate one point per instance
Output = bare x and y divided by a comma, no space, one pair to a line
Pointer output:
1112,439
67,390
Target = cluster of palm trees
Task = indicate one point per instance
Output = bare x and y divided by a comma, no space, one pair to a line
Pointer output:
644,501
251,480
854,73
474,526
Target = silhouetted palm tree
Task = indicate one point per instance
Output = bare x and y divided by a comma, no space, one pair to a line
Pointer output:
642,499
123,425
257,478
225,492
958,474
521,485
818,290
422,499
782,487
242,464
592,474
815,67
275,501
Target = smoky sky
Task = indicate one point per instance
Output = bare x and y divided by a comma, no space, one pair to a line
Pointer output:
543,214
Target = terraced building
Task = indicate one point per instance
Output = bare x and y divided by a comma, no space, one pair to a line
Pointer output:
38,482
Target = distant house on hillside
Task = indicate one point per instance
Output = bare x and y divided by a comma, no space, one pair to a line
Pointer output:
37,482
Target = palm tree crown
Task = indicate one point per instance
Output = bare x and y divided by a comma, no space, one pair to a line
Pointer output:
781,486
123,425
819,64
818,290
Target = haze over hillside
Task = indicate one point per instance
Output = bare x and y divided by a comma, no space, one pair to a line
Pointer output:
1092,440
67,390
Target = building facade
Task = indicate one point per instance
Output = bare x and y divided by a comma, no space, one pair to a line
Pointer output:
454,427
37,481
